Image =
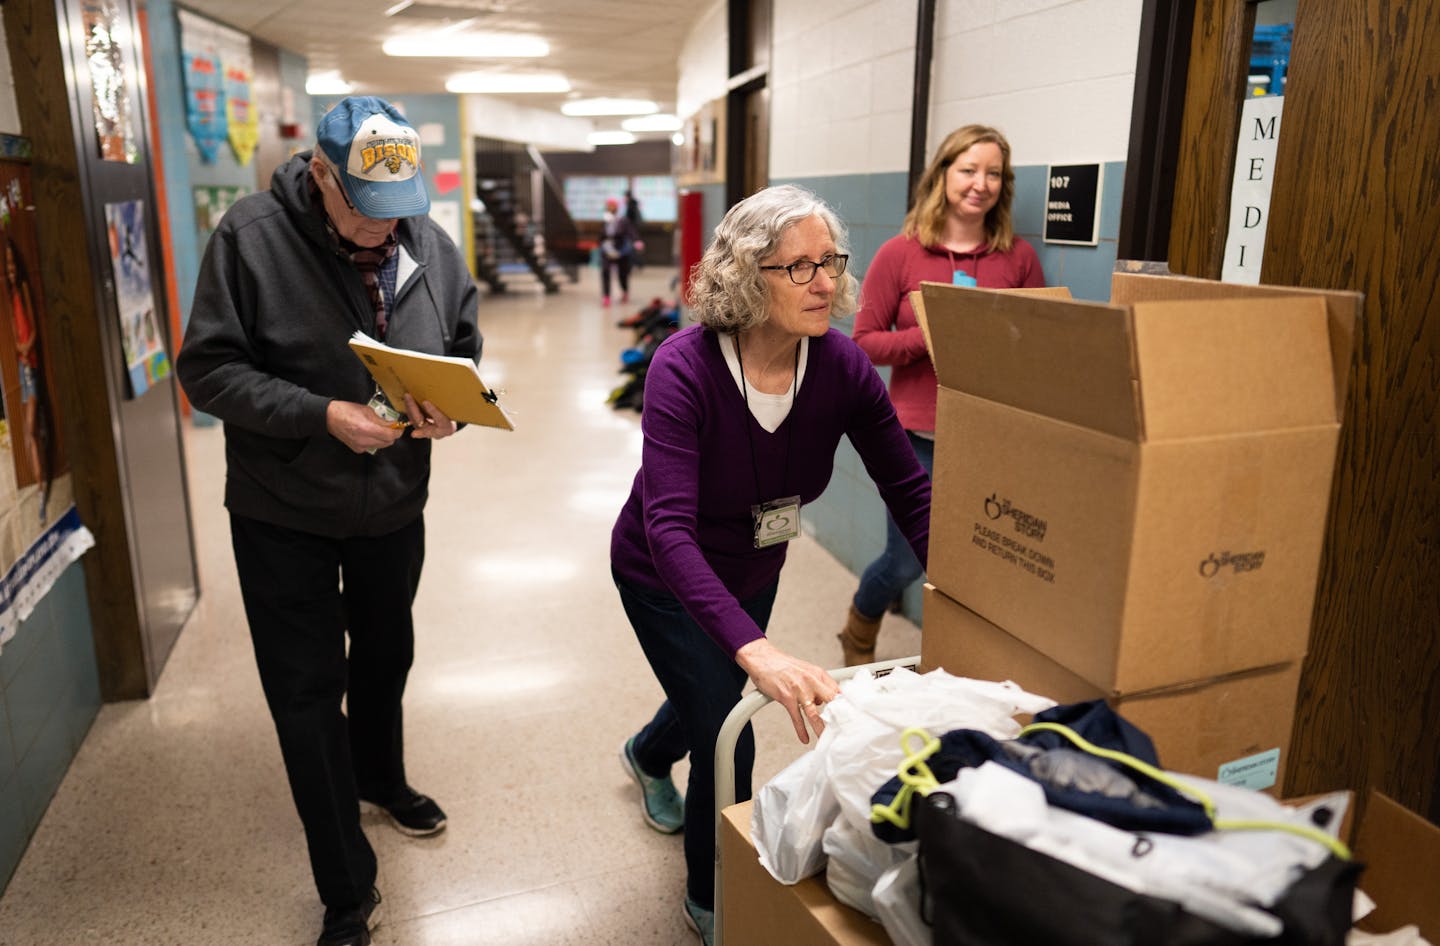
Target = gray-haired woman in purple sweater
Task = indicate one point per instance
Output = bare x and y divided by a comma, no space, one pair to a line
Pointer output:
743,414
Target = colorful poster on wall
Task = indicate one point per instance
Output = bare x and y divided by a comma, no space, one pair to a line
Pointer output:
40,531
211,203
240,113
205,113
109,92
145,359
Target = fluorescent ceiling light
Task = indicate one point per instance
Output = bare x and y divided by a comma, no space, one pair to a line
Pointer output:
651,123
467,45
327,83
610,138
505,83
610,107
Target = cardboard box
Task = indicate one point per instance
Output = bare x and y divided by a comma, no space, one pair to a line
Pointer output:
1234,729
1401,854
1138,490
758,910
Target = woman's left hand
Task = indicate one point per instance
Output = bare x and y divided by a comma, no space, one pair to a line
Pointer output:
801,687
429,423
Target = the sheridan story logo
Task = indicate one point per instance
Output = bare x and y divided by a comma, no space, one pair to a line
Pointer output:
1032,527
1240,561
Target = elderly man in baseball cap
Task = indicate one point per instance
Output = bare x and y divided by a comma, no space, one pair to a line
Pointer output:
326,482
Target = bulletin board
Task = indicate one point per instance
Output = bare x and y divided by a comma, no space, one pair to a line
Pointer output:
40,531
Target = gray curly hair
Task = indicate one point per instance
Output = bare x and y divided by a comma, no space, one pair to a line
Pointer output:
728,291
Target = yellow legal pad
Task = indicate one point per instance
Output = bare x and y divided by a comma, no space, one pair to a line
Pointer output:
451,384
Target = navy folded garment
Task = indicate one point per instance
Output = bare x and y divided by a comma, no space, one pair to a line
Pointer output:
1086,784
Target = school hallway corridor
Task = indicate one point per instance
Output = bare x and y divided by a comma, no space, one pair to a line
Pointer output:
174,824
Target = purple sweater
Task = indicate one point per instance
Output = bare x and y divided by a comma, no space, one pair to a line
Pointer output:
686,527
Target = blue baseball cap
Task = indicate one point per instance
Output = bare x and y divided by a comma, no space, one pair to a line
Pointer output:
376,153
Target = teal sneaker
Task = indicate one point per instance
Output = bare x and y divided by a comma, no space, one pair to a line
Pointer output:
701,920
660,802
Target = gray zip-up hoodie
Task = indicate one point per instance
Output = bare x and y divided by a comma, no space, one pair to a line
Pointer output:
266,350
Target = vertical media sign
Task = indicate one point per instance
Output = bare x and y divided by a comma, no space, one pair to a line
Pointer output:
1250,190
1072,201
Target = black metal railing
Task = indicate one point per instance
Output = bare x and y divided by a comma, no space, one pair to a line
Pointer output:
522,218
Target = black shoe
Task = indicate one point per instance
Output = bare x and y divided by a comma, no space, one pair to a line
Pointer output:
412,813
351,927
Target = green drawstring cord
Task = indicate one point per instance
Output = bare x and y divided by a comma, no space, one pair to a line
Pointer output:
1128,760
915,776
1335,845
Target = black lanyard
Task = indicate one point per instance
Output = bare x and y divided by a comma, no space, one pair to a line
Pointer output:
789,434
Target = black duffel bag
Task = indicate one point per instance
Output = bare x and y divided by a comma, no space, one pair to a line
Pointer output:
981,889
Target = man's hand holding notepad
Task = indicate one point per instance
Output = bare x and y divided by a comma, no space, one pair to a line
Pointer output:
452,384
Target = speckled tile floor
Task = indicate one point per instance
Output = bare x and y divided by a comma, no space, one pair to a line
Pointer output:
174,824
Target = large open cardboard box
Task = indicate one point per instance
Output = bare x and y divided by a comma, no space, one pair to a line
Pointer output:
1234,729
1138,490
758,910
1401,853
1400,850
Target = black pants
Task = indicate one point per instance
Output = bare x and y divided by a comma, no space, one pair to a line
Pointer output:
302,593
621,266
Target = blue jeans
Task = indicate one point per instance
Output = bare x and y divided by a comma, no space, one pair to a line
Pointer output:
886,578
702,684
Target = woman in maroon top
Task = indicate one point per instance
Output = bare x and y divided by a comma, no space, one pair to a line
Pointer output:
959,232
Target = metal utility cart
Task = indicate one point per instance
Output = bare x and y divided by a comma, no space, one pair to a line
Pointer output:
725,760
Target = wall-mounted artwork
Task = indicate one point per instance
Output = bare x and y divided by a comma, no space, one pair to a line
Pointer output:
240,114
110,92
145,359
40,531
205,113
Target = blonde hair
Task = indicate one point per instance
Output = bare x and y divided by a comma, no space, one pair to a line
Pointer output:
926,219
728,291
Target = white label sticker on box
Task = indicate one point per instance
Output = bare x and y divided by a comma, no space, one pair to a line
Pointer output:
1256,772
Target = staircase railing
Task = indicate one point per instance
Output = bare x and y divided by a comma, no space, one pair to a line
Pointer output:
562,236
513,224
522,218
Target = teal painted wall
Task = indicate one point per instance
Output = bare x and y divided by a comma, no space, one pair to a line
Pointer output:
49,696
184,169
849,519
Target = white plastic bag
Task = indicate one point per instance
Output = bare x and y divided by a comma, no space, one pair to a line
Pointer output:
860,750
790,815
897,903
856,860
874,711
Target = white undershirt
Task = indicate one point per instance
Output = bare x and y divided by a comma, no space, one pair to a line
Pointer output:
770,410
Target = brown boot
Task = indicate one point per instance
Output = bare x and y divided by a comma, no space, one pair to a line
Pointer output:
857,640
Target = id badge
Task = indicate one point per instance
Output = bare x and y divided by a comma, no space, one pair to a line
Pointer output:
382,407
776,521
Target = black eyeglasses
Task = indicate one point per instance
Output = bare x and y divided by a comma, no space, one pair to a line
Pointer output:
802,272
341,187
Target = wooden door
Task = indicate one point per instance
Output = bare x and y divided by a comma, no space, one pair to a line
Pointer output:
1355,205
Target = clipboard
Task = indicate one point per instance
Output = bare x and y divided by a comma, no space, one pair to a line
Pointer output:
452,384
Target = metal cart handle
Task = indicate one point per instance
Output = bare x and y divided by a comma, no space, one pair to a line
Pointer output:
730,731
